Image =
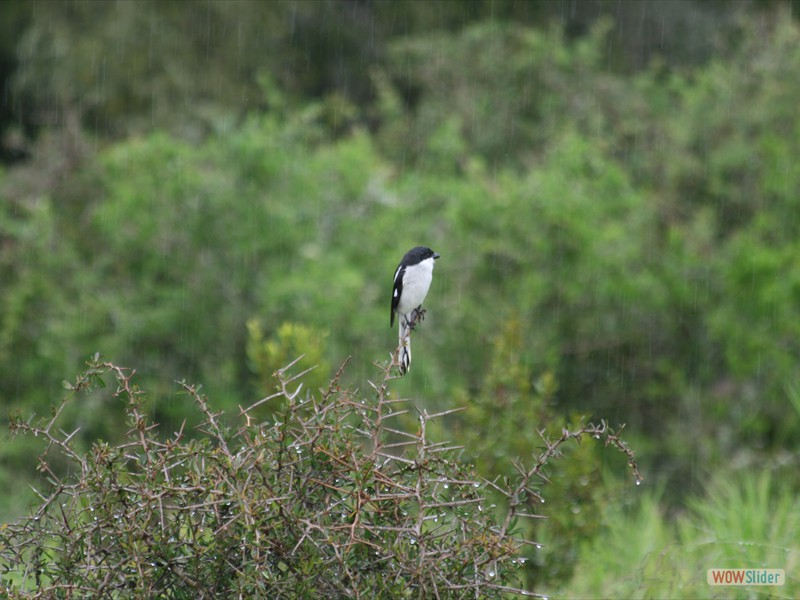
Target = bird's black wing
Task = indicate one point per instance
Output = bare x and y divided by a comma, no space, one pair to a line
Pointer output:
397,290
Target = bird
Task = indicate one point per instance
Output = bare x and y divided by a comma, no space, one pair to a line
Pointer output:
412,280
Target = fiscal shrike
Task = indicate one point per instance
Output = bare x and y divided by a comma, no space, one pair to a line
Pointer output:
412,279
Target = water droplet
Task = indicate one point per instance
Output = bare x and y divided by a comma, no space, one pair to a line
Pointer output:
447,486
638,482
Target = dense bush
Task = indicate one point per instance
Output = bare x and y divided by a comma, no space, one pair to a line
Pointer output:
325,498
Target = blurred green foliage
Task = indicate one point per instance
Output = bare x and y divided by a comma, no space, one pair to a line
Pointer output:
619,236
290,342
746,519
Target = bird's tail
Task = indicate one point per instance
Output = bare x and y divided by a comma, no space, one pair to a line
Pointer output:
404,345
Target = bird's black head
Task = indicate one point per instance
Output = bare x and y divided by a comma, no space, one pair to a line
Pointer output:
418,254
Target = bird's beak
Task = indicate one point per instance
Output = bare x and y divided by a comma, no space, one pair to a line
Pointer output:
436,255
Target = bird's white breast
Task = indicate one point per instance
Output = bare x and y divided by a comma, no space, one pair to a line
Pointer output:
416,282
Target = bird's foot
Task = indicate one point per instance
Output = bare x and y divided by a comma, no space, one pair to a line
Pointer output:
417,315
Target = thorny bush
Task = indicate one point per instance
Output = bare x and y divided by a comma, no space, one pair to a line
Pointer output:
328,499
